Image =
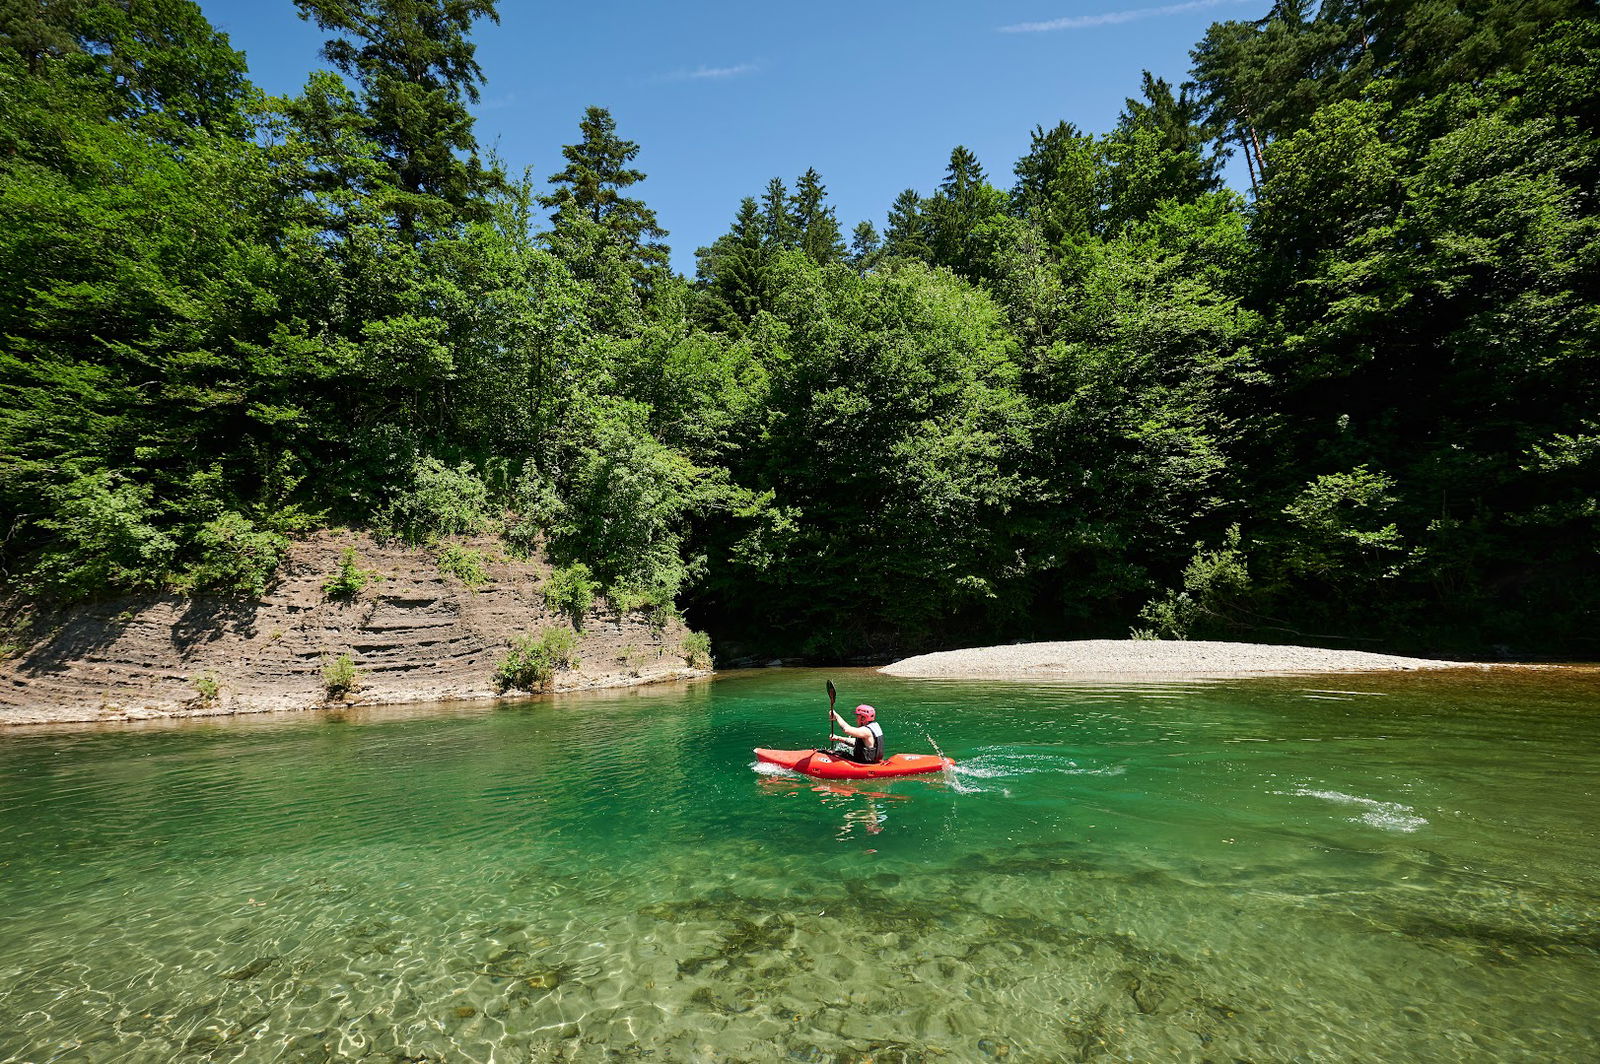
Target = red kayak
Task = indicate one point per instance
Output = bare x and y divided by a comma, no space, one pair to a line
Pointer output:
825,766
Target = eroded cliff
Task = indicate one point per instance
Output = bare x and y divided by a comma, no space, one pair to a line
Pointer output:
419,634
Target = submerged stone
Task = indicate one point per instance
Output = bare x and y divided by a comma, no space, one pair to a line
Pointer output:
251,970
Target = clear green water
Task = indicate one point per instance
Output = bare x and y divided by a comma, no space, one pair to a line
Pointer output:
1395,869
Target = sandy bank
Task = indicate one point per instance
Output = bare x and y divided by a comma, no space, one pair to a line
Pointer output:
1111,658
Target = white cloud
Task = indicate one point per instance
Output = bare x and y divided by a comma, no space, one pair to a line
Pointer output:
706,73
1112,18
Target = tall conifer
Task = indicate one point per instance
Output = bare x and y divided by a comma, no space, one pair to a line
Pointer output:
1056,186
778,225
417,73
907,234
733,271
866,247
591,214
818,226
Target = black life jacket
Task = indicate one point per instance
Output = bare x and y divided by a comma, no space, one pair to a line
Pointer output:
869,753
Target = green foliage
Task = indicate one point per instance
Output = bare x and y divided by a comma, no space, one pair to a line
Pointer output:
346,583
866,503
104,538
1156,155
531,664
235,555
1058,185
438,501
1338,534
17,633
597,226
626,507
463,563
227,320
1214,582
570,590
697,650
206,687
340,677
417,73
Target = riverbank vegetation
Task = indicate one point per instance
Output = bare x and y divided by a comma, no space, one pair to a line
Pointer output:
1359,404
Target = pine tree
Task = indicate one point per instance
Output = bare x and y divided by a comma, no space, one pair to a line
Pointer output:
907,233
817,224
1157,152
1056,184
592,217
963,174
732,272
779,229
39,30
159,62
963,205
417,72
866,247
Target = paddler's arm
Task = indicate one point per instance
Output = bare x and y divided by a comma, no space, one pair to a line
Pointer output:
850,729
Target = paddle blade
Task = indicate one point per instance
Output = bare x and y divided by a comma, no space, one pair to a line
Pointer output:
832,694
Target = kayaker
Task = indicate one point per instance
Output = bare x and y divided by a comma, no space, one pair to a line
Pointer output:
864,739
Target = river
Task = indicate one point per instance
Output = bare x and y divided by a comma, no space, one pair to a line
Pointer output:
1333,868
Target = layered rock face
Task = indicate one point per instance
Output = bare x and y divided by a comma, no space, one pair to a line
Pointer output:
417,635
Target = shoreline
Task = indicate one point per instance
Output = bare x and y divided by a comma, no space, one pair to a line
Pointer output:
13,722
1125,659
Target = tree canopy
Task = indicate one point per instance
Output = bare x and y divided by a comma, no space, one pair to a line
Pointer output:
1355,402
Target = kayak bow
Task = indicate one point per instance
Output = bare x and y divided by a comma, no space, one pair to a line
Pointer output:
825,766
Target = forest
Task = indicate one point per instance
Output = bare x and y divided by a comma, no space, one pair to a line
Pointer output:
1356,405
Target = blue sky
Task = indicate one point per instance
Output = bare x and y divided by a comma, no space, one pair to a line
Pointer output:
722,95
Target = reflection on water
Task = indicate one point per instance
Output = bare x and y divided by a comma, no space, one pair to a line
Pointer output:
1397,869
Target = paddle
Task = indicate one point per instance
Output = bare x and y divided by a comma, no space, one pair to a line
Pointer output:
832,694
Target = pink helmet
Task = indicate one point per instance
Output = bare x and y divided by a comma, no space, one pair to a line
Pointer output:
866,714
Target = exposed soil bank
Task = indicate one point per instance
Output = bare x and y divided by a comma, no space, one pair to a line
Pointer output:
1114,658
418,635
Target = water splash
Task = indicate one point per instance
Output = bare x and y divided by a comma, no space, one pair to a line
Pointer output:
972,775
1391,816
949,770
767,768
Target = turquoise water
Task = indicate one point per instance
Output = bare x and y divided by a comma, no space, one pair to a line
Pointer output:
1326,869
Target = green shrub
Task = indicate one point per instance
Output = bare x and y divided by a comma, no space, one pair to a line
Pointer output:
1213,583
532,663
206,687
104,537
655,603
339,677
463,563
347,583
1342,528
535,507
628,500
697,650
570,591
235,555
16,636
439,501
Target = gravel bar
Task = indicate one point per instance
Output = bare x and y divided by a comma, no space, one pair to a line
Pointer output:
1171,659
